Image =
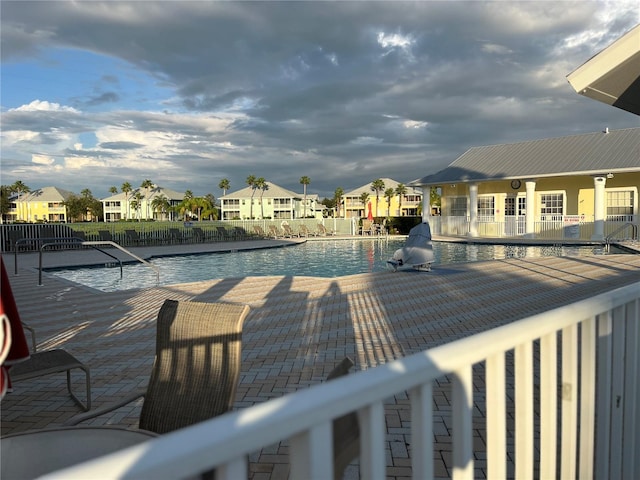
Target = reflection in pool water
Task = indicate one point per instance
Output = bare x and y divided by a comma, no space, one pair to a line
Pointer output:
330,258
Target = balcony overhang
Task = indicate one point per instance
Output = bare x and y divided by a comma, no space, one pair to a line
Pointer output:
613,75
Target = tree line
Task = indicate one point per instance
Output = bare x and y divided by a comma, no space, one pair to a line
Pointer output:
84,206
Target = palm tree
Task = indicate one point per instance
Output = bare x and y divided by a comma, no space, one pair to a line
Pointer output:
20,188
113,190
147,185
262,185
337,196
137,204
304,180
389,193
377,186
401,190
251,182
210,210
224,185
187,203
160,204
364,198
126,189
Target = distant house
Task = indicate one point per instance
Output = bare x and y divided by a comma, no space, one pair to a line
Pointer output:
41,205
139,205
275,202
574,184
398,207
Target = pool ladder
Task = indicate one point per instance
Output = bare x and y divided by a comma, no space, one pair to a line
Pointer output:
51,242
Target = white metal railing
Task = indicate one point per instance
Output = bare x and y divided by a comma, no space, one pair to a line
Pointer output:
585,357
569,227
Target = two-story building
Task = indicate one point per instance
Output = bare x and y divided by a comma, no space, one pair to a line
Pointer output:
41,205
579,186
140,204
274,202
403,205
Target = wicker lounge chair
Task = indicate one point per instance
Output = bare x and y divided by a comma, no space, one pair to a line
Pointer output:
259,231
196,368
133,238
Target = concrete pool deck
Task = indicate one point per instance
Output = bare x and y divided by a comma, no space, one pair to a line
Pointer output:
298,329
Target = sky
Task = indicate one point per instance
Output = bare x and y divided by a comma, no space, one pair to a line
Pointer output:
185,94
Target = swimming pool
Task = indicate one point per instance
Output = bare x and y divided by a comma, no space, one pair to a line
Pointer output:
330,258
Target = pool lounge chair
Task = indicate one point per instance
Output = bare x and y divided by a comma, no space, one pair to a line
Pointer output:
322,231
305,232
175,236
273,231
197,234
196,369
259,231
288,231
132,237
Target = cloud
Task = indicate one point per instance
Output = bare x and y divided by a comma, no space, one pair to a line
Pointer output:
43,106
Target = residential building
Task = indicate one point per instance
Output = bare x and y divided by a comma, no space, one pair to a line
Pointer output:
139,205
275,202
572,184
398,206
41,205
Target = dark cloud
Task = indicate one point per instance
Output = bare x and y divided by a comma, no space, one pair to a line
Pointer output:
107,97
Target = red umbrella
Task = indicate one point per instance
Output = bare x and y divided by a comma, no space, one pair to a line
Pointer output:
369,215
18,350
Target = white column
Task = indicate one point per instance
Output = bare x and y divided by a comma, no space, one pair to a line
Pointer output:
530,208
426,203
473,210
599,207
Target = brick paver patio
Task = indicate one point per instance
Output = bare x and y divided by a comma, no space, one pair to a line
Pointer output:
298,329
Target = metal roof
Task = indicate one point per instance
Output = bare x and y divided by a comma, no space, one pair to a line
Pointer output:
587,154
153,192
388,183
613,75
47,194
274,191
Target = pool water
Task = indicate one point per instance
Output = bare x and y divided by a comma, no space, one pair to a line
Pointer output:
330,258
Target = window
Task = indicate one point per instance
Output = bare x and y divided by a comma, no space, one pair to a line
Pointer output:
486,208
458,207
620,205
551,206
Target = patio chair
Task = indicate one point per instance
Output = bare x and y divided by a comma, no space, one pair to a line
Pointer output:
305,232
223,233
346,429
196,368
322,230
273,231
132,237
288,231
47,362
175,236
367,227
259,231
198,234
105,236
